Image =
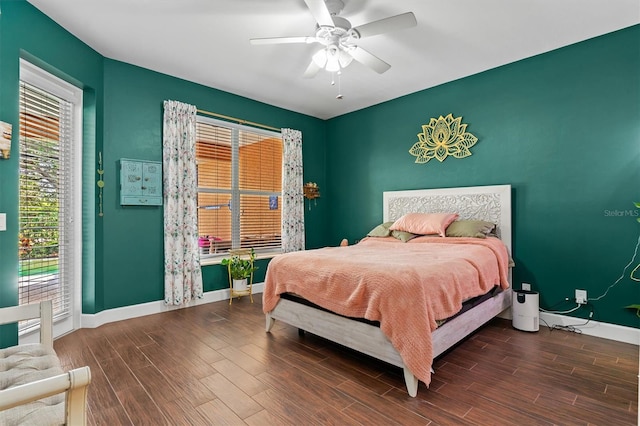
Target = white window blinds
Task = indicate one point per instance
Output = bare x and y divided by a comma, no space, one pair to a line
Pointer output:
45,199
239,185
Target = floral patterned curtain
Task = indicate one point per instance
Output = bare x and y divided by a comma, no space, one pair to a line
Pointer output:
292,199
182,274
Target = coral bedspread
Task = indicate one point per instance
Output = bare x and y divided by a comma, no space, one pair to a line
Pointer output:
404,286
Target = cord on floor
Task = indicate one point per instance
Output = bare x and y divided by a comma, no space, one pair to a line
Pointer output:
572,328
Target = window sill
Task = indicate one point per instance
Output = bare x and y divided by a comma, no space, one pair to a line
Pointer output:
215,260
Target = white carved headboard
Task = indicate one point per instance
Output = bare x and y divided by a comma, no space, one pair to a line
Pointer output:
490,203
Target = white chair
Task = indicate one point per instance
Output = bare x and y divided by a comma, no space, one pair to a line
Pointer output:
33,387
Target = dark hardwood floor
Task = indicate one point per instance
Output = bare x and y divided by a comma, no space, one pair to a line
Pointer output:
214,364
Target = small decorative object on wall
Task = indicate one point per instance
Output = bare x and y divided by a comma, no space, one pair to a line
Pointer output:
100,183
140,182
442,137
311,192
5,140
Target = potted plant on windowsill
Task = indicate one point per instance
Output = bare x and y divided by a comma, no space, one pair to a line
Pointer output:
240,268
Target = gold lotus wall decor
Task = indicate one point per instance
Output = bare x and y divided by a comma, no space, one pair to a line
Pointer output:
441,138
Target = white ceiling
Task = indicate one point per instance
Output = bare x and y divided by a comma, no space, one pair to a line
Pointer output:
207,41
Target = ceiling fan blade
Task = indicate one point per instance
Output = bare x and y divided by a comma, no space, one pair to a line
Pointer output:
370,60
392,23
282,40
320,12
312,70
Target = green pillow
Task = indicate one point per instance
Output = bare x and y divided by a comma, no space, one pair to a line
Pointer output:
381,230
403,236
470,228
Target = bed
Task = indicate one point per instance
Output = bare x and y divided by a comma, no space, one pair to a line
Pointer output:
410,344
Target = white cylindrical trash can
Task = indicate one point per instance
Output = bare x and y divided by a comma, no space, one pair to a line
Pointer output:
525,309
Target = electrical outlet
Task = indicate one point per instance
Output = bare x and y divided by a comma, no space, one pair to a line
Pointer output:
526,286
581,297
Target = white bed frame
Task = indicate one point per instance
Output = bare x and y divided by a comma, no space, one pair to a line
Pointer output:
490,203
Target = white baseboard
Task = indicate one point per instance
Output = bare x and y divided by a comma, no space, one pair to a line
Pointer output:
595,328
134,311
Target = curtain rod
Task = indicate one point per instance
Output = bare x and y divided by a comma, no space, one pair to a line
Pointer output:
226,117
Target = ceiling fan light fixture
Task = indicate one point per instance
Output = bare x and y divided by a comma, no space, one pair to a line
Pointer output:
320,58
344,58
333,65
332,58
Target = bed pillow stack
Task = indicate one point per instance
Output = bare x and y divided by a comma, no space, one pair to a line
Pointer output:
413,225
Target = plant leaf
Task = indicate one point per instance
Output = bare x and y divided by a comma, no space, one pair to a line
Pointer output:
636,307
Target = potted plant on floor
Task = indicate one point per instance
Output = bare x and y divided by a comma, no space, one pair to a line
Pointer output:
240,268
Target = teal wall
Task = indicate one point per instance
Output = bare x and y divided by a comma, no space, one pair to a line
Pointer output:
562,128
133,247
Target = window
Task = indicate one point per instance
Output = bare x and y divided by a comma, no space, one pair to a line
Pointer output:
49,245
239,187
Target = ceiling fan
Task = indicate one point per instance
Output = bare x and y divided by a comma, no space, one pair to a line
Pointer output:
340,39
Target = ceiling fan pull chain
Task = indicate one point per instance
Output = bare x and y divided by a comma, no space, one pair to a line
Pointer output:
339,86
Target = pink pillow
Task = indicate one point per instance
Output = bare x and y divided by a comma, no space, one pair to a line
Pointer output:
424,223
